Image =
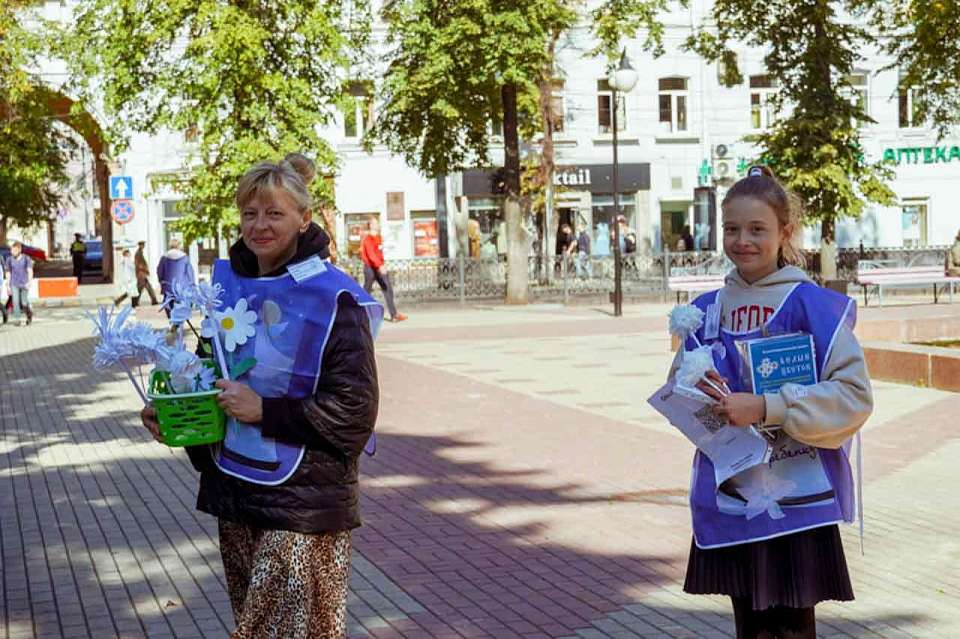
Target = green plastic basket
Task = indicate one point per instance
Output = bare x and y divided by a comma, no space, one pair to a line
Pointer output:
186,419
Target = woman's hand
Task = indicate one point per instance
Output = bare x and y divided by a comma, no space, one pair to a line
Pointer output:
149,418
240,401
742,409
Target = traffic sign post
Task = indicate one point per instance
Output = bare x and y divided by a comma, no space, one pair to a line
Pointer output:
121,187
122,211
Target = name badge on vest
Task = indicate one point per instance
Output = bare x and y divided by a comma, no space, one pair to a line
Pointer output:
310,267
711,324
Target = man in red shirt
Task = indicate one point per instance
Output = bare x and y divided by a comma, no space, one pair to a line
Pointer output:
375,268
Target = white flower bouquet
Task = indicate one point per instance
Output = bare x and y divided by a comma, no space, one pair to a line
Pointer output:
685,321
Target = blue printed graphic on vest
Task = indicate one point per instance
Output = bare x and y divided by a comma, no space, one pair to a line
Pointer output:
275,330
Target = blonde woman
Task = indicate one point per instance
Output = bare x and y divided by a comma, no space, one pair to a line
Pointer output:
283,483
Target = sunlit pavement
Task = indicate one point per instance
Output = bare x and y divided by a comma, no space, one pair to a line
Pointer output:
522,488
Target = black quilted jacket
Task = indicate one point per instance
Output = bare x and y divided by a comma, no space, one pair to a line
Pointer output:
322,495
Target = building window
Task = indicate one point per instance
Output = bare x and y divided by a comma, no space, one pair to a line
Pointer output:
914,223
172,211
358,110
557,105
909,112
858,92
763,89
673,103
496,127
604,112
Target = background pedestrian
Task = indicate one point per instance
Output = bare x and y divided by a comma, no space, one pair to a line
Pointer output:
375,267
19,273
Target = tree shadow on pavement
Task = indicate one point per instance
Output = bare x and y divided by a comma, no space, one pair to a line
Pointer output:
99,533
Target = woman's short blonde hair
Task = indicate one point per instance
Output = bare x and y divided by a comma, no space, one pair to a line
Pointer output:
293,174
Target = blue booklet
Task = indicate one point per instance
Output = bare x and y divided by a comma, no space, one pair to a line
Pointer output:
784,359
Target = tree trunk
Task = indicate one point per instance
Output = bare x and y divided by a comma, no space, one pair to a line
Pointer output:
3,230
517,252
828,250
548,160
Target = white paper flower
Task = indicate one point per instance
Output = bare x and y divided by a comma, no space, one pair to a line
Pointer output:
685,320
180,313
184,369
207,297
205,379
694,365
236,324
145,342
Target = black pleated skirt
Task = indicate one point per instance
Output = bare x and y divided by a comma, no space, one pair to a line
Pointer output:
798,570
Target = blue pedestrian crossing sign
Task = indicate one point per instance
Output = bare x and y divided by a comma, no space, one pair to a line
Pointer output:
122,211
121,187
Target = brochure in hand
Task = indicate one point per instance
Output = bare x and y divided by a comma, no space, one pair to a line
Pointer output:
730,449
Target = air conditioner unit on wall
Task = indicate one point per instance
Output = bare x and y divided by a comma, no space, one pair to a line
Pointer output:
722,151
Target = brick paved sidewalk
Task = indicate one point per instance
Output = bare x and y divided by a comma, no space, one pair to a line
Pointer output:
522,488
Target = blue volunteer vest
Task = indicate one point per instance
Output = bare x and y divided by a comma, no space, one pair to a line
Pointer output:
817,481
292,327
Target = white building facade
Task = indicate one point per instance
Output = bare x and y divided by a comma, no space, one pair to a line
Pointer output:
680,146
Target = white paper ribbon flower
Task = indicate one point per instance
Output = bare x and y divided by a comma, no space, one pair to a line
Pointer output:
694,365
685,320
184,369
236,324
181,312
207,297
763,491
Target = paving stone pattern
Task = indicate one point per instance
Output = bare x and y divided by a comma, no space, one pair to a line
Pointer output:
522,488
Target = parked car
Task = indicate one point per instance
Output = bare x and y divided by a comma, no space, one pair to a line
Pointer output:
93,258
35,254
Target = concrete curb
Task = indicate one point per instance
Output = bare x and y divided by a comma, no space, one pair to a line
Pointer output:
914,364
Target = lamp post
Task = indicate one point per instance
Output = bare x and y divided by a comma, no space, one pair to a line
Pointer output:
621,79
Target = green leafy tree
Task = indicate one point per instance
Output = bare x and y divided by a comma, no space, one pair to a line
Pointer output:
814,144
244,81
616,21
924,38
455,67
34,148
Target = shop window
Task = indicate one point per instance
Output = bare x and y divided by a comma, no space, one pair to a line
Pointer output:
486,229
910,116
763,90
673,103
426,236
358,109
356,225
604,215
604,108
914,223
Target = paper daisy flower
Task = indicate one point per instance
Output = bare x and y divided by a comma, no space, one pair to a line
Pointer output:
236,324
685,320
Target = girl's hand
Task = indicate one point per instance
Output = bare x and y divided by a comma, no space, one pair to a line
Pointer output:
149,418
711,389
240,401
742,409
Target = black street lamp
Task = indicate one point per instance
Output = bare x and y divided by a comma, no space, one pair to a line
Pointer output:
621,79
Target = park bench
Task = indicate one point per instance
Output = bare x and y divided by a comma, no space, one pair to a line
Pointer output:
876,275
697,283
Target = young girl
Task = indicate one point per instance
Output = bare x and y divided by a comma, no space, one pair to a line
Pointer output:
768,537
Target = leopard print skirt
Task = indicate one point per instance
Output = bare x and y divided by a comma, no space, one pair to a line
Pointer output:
286,585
